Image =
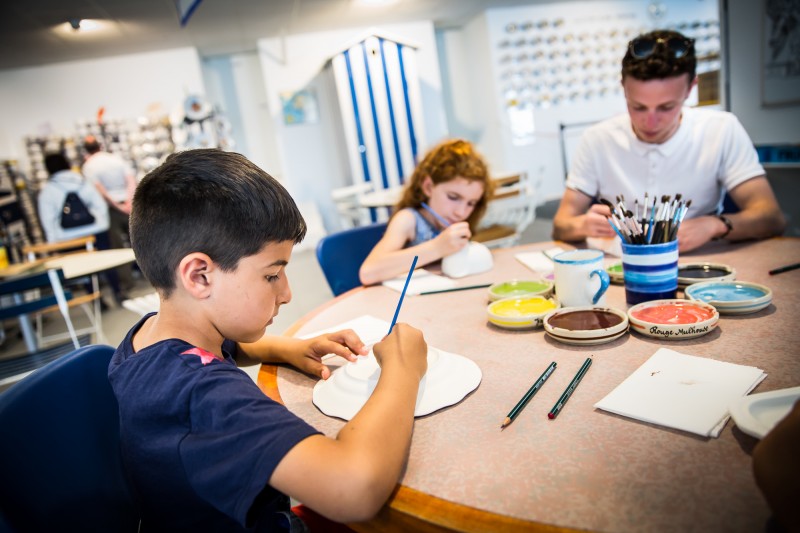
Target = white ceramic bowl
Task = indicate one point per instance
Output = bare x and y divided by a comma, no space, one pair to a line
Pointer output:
731,297
586,325
690,273
521,313
517,288
673,319
448,379
474,258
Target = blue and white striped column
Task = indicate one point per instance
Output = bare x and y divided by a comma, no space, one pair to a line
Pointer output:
379,97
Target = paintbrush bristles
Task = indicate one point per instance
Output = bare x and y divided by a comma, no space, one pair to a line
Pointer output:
659,226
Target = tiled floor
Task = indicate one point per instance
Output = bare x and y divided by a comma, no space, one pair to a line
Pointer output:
309,290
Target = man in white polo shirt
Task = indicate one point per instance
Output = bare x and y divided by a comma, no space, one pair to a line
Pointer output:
662,148
115,181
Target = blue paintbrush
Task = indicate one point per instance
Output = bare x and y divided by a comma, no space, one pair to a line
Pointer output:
403,294
436,215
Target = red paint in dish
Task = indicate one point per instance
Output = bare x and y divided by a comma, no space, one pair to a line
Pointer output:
673,313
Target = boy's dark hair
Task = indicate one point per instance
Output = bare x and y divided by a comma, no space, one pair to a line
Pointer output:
208,201
662,63
56,162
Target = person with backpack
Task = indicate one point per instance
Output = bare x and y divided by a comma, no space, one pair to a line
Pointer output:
70,208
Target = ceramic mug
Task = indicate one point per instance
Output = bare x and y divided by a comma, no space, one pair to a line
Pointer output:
580,278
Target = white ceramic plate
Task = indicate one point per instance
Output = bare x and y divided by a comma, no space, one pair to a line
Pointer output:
731,297
690,273
587,328
450,377
757,414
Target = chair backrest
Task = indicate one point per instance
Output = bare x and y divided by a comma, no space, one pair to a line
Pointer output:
60,451
81,244
340,255
509,213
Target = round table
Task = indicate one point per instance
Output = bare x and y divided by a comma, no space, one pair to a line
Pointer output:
587,469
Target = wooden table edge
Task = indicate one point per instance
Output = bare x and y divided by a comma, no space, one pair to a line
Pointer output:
409,509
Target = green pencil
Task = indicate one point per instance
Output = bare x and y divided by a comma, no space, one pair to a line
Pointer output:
528,395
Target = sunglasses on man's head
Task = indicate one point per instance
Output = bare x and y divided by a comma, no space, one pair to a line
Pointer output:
677,47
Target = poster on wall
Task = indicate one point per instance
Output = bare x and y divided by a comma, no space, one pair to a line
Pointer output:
780,75
299,107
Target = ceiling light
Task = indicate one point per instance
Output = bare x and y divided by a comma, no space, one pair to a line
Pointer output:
83,25
374,3
79,28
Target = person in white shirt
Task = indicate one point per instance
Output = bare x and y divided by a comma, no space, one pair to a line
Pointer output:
662,148
50,201
115,181
61,182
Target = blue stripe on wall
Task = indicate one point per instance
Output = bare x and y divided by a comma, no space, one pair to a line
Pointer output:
378,140
397,155
359,132
408,104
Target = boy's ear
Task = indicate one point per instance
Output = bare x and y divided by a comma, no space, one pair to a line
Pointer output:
194,274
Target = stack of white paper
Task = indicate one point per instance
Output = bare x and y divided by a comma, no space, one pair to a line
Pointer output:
682,392
421,281
540,261
609,245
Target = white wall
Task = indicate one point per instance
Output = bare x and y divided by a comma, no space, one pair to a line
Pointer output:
311,162
236,83
472,68
52,98
766,125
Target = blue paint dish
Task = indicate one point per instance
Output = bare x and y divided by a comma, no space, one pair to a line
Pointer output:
731,297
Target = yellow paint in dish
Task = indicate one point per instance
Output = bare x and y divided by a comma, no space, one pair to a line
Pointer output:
522,307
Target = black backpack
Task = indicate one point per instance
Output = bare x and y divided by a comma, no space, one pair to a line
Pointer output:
74,212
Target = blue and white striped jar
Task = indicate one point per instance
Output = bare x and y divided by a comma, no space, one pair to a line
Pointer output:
650,270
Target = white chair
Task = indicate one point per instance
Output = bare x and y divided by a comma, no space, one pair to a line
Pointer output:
511,210
348,204
142,305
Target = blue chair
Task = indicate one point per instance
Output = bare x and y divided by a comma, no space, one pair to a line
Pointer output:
340,255
60,451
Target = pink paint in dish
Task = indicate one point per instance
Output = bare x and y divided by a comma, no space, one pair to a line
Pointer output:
673,313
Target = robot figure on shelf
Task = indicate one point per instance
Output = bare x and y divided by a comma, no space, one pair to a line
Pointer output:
198,125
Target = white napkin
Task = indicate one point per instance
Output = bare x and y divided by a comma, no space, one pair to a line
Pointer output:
682,392
540,261
610,245
421,281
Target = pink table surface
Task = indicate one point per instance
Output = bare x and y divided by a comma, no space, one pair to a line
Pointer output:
588,469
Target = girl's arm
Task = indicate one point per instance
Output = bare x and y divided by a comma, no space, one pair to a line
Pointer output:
389,259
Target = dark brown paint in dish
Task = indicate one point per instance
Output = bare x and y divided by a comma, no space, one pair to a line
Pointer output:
585,320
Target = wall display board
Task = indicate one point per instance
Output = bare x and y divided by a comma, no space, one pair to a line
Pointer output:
555,69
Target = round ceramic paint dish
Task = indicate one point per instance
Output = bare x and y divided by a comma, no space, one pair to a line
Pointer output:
615,273
521,313
673,319
690,273
586,325
519,288
731,297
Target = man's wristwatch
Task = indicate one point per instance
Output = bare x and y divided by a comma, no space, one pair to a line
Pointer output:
725,220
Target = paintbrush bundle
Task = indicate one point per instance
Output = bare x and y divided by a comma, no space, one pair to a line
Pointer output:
657,223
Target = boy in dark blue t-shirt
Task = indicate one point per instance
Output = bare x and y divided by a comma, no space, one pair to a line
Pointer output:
204,448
